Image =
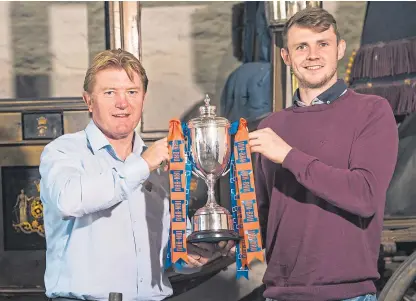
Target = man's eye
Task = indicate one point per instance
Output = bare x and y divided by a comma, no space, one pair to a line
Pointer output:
132,92
324,44
109,93
301,47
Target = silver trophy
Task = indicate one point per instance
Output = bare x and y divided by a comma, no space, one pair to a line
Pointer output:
210,152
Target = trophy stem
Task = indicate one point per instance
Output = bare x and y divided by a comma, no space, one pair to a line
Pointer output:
210,181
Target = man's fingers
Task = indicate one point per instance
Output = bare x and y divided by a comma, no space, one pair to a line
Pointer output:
163,142
255,142
205,246
231,253
197,260
228,247
225,246
230,244
222,244
254,135
194,250
203,260
166,157
256,149
193,260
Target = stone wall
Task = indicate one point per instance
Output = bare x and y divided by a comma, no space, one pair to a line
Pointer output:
45,47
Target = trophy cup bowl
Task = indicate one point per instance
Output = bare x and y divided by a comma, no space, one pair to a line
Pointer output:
210,152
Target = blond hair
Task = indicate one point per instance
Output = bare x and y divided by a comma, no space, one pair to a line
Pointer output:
118,59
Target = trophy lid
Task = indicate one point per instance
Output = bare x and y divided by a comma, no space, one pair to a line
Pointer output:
208,116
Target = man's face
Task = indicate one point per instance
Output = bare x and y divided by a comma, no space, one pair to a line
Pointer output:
116,102
313,55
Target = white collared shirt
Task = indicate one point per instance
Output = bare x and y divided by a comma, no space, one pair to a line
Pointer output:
105,231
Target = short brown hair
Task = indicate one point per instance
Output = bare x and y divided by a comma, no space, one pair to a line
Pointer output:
116,58
315,18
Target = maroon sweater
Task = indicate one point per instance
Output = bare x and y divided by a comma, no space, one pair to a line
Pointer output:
321,211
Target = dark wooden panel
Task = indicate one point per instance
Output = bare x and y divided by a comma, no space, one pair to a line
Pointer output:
26,126
23,268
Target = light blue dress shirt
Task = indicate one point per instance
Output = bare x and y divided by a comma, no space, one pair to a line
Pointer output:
106,221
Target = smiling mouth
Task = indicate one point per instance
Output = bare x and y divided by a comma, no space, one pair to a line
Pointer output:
121,115
315,67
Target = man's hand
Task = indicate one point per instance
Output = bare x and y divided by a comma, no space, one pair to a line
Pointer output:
269,144
156,154
226,248
200,253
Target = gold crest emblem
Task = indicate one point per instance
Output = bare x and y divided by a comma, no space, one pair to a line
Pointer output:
29,213
42,126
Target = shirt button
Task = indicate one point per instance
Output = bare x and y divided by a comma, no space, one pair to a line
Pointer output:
139,250
141,279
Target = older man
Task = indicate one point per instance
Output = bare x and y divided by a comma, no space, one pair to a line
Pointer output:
106,209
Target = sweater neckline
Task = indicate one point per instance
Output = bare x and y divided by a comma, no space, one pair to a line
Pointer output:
320,107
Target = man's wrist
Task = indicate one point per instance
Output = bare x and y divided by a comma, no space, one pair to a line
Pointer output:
287,151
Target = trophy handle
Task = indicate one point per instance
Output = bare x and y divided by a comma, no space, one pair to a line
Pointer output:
226,171
197,173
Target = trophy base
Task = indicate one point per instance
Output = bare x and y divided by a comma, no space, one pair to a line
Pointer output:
213,236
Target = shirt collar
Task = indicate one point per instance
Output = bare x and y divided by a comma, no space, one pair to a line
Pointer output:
328,96
97,139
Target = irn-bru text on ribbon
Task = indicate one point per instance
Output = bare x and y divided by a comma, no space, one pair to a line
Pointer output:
179,235
179,213
253,241
245,181
177,180
176,151
242,152
249,211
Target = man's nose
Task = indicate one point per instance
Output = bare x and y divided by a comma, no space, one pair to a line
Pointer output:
121,101
313,53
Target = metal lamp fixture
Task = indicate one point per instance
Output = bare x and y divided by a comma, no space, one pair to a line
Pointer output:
279,12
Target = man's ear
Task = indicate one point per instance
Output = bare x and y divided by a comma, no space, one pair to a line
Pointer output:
88,100
342,45
285,56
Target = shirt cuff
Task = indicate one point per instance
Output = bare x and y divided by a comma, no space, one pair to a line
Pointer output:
135,171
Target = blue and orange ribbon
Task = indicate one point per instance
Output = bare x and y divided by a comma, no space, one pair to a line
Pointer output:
178,194
247,195
242,191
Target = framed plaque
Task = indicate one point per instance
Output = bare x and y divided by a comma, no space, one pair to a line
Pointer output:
42,126
22,209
